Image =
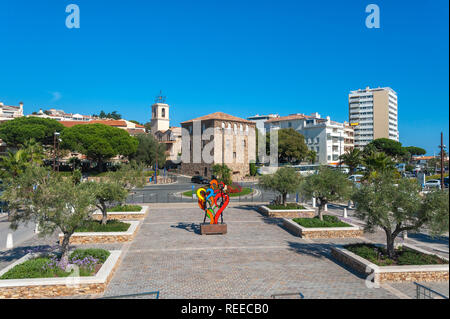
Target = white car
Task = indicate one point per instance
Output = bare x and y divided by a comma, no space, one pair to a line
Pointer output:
433,183
356,178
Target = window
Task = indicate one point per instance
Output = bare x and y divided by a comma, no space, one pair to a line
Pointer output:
163,112
289,124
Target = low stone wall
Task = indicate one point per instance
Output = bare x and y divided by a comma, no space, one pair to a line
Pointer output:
324,232
288,213
382,274
103,238
123,215
58,287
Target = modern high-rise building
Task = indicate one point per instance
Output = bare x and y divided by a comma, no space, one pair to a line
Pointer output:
374,114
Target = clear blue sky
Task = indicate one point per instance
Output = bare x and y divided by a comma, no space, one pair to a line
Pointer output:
241,57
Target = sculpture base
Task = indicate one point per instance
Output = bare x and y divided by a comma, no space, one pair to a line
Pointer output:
213,229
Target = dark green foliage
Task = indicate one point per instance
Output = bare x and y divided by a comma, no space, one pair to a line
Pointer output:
413,150
149,150
253,169
22,129
99,142
288,206
34,268
110,226
404,256
286,180
125,208
328,221
291,146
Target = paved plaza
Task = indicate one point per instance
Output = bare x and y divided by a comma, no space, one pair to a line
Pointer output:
256,259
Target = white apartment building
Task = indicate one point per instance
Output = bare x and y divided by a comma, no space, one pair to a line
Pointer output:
374,114
60,115
329,139
259,120
8,112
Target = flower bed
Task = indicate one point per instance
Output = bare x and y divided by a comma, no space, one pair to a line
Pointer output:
108,236
289,206
411,265
330,227
126,212
290,212
244,191
37,275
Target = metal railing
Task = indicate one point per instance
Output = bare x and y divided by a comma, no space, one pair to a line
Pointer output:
134,295
298,294
423,292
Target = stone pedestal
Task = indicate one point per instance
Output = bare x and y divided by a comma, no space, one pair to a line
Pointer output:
213,229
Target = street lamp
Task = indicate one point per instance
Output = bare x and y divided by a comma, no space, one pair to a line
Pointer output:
54,149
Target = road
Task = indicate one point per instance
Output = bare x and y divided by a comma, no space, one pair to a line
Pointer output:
23,233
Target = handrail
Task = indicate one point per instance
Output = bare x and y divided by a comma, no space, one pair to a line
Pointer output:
288,294
134,295
418,286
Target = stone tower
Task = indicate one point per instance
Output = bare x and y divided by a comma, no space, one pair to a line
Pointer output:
160,115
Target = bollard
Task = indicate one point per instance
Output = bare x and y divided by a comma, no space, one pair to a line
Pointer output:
326,208
9,241
349,204
36,229
405,235
314,202
345,212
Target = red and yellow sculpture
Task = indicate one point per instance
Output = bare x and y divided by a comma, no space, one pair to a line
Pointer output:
213,201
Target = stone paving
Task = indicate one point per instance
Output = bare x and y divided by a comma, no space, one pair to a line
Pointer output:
257,258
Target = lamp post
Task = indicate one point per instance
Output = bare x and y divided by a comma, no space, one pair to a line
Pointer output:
54,149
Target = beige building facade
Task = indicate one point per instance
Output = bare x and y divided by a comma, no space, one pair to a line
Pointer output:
218,138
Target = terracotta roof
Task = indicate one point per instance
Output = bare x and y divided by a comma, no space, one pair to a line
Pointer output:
291,117
219,116
115,123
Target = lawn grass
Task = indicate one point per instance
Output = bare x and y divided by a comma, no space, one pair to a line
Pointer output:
245,191
405,256
38,267
125,208
110,226
288,206
328,221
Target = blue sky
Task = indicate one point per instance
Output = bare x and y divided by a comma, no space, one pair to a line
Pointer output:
240,57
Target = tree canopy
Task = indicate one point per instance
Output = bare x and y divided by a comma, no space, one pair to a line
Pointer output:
291,146
149,150
327,185
397,205
352,159
99,142
389,147
414,150
286,180
22,129
114,115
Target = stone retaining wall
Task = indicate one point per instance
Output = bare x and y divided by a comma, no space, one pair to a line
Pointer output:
56,287
325,232
103,238
123,215
288,213
382,274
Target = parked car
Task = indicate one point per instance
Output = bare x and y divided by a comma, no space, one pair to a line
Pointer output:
199,179
433,183
356,178
446,182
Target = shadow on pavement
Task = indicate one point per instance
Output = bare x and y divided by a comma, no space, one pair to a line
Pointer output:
190,227
420,237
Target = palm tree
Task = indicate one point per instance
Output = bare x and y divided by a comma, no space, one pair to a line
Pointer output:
13,164
33,151
352,159
379,162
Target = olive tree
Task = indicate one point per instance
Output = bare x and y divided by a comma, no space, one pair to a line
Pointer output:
397,205
286,180
326,186
53,202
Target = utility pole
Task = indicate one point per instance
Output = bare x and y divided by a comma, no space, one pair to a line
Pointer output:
156,168
54,150
442,147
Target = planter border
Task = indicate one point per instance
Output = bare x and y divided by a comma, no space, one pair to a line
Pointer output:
99,237
308,212
302,231
69,286
403,273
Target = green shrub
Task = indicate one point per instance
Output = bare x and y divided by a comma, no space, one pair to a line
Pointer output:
328,221
288,206
34,268
405,256
125,208
110,226
99,254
